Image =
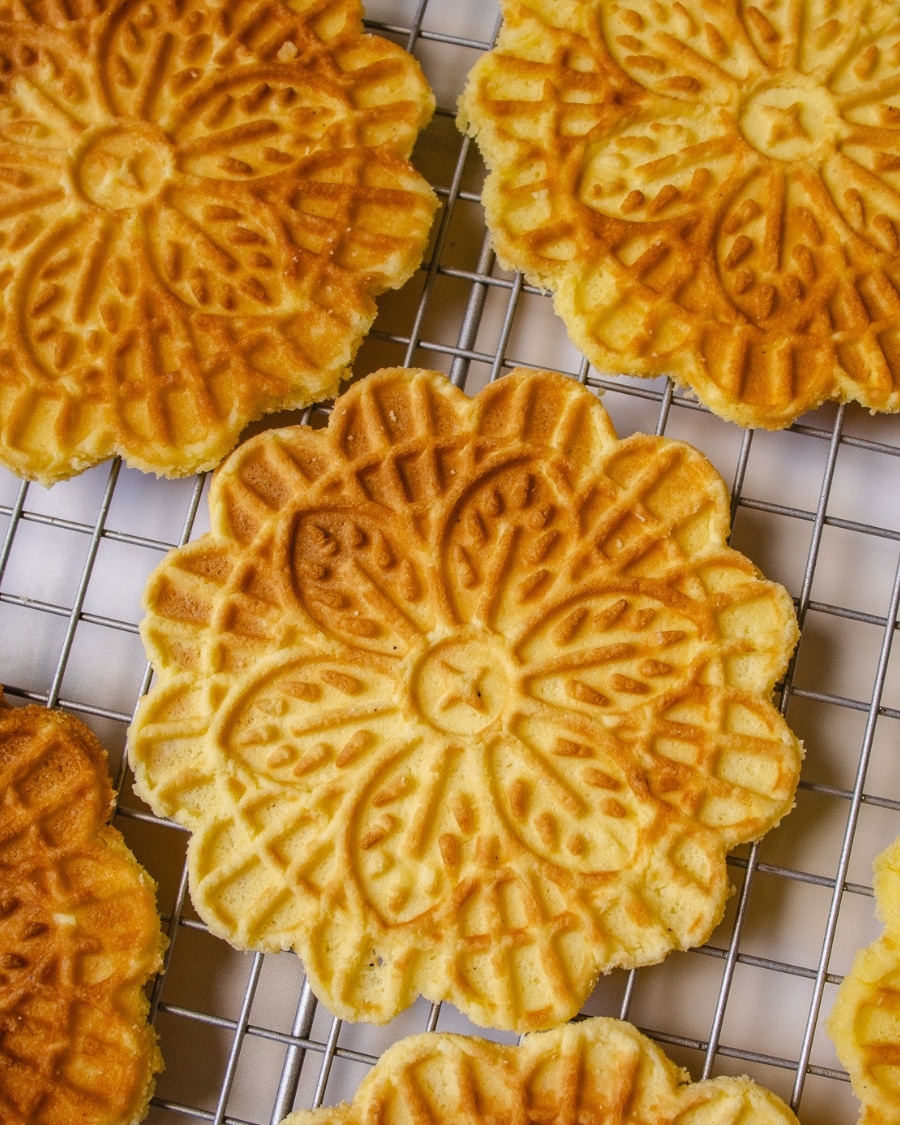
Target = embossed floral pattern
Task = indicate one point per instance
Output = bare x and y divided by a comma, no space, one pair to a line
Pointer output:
465,697
710,189
199,203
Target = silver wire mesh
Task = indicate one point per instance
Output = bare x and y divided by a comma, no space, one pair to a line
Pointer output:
817,507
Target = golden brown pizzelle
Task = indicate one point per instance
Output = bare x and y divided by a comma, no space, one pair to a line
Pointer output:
598,1071
864,1022
79,934
464,697
199,203
710,190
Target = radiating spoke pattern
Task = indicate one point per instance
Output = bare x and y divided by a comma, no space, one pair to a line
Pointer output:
465,697
199,204
711,192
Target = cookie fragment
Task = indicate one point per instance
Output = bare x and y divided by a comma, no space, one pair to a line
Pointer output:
599,1071
79,934
864,1023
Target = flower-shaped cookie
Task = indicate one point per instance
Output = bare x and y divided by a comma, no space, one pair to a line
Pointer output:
464,697
79,934
864,1023
199,203
597,1071
711,190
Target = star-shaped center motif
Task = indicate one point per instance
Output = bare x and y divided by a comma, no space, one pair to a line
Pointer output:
792,120
469,691
461,685
785,123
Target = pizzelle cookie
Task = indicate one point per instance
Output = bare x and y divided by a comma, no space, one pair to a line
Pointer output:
864,1023
464,697
79,934
598,1071
710,190
199,203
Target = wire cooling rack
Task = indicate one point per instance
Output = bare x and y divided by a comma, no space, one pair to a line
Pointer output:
817,507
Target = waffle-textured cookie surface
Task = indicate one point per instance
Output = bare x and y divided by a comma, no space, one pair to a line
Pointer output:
79,934
199,202
864,1023
598,1071
464,697
709,189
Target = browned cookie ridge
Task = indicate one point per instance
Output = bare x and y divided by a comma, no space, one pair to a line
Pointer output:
464,697
79,934
710,190
199,203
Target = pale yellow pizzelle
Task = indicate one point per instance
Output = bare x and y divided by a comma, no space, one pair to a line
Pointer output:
864,1022
464,697
711,190
598,1071
80,935
199,203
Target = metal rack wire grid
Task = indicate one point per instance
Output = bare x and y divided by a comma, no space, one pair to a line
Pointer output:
817,507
